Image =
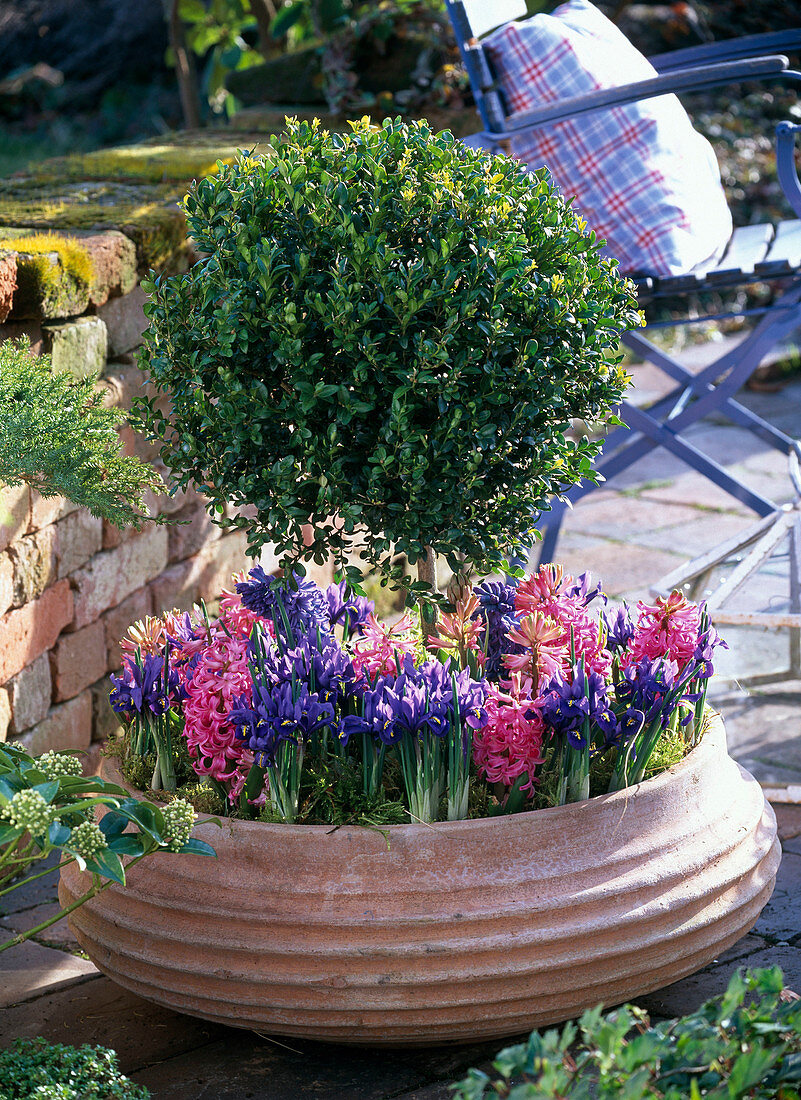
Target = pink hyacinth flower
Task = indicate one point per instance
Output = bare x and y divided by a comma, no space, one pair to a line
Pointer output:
545,652
374,652
668,629
510,744
220,676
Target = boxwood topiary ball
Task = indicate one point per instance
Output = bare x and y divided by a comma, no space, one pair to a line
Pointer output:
387,339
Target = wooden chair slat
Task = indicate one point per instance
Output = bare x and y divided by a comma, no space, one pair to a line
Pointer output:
784,255
748,247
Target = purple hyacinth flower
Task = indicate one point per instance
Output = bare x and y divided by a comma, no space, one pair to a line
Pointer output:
497,610
301,600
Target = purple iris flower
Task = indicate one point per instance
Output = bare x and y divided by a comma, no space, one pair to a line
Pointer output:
301,600
141,687
346,607
649,687
324,668
622,728
379,709
565,707
497,600
619,629
704,650
471,695
414,712
278,714
581,589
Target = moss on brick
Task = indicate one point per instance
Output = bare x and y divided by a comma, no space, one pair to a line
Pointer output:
136,189
54,274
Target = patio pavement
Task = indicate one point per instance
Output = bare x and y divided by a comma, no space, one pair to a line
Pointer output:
629,534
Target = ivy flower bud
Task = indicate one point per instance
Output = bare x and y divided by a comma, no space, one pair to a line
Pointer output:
57,764
87,840
28,810
179,817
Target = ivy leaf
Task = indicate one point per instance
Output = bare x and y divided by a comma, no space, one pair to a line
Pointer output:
109,865
198,847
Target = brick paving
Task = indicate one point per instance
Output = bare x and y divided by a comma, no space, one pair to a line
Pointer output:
630,533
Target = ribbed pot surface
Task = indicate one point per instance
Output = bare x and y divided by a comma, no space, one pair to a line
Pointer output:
456,931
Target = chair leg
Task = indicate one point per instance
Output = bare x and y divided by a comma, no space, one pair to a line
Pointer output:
795,596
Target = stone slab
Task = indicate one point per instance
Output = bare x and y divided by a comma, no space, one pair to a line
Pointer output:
78,347
238,1066
125,321
690,993
763,727
29,969
781,917
788,818
623,568
100,1012
8,283
58,935
39,892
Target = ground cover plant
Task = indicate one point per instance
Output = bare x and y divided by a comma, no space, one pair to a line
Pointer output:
744,1043
297,704
35,1069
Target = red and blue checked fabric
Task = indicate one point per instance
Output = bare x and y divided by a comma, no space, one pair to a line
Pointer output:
642,177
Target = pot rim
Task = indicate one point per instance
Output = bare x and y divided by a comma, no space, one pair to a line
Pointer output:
713,742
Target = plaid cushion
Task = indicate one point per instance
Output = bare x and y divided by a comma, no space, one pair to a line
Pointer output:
642,177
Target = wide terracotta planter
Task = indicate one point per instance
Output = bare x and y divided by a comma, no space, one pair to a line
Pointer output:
465,930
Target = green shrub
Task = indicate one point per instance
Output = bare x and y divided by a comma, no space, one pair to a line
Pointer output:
51,1071
744,1043
388,328
57,437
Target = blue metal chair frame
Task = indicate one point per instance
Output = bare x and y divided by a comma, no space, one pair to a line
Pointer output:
754,254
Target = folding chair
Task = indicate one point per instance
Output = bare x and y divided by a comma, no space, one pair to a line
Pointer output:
755,253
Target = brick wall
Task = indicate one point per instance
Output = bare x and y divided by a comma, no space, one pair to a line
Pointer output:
70,585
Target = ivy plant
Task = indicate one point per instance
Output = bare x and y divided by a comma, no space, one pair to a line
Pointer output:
384,347
744,1043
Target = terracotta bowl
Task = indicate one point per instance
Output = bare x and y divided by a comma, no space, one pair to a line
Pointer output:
458,931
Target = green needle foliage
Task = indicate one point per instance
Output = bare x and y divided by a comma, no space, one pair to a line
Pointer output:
56,436
744,1043
388,340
